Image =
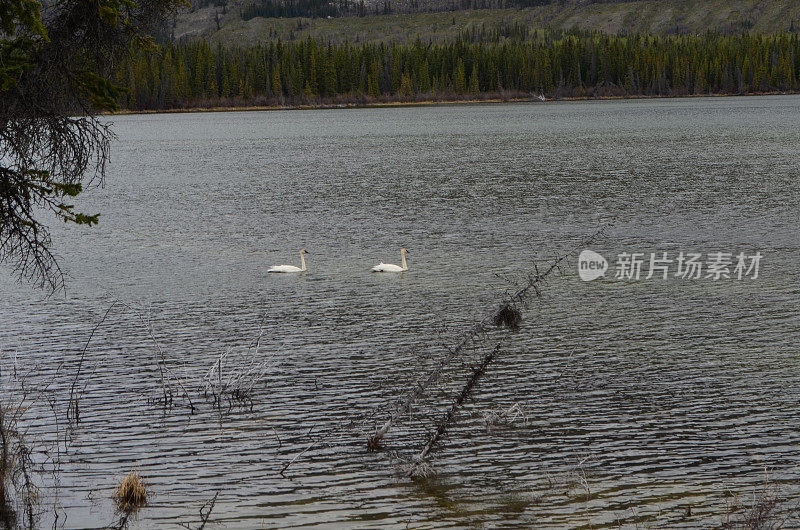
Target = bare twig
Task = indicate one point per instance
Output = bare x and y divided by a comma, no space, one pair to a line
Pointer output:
205,513
166,375
72,408
298,455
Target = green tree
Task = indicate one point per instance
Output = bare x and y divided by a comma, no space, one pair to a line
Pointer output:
474,84
372,80
424,77
276,86
459,78
55,76
406,89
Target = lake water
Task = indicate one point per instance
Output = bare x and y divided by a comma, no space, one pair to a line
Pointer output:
652,402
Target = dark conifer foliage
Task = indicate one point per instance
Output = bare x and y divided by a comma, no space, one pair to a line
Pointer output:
57,61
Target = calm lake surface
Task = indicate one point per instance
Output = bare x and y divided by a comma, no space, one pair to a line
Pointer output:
652,402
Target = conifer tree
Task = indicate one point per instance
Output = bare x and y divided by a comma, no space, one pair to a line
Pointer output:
459,81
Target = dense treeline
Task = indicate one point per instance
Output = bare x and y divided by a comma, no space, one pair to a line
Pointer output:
557,65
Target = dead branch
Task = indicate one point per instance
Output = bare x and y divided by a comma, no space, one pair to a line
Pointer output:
166,374
451,412
72,407
507,308
298,455
205,513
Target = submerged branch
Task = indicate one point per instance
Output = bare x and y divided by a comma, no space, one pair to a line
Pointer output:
494,317
451,412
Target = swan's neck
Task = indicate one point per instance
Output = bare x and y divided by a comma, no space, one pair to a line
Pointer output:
403,260
302,262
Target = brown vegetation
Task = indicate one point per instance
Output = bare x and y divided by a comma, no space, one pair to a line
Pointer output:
131,493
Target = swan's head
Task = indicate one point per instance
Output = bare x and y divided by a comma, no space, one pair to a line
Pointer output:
304,251
403,251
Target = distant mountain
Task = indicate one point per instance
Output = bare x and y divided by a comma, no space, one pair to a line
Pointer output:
251,21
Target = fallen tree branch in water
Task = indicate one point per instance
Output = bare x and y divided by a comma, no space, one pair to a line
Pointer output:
451,412
506,315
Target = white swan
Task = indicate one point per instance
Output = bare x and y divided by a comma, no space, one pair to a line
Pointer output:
388,267
291,268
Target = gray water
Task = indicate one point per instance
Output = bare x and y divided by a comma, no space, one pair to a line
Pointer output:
651,402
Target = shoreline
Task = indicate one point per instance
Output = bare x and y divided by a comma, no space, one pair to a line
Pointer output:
424,103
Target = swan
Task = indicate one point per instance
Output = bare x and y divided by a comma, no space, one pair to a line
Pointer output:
388,267
291,268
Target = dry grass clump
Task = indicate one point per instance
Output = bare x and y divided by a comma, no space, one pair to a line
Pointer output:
131,493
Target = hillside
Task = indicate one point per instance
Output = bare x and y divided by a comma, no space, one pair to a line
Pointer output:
226,25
